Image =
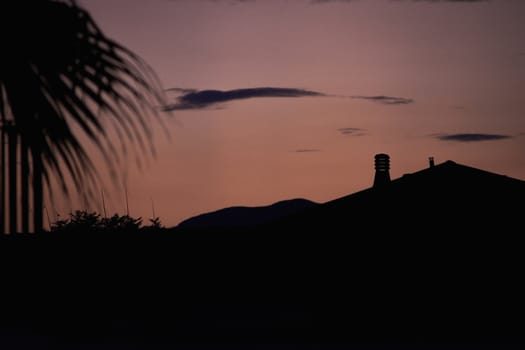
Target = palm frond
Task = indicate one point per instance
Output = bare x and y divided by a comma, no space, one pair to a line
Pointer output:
60,76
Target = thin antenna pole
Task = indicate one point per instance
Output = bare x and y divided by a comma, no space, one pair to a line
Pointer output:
127,203
104,205
153,208
48,219
85,203
50,198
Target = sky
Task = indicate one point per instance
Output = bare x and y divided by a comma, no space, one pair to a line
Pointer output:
279,99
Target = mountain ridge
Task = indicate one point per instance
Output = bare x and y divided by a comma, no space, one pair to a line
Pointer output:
243,216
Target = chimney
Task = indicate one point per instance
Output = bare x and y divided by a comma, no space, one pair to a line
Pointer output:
382,165
430,162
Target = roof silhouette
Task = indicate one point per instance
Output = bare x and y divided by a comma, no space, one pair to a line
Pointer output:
445,196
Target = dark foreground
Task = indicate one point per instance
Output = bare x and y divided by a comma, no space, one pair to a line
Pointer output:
260,289
433,260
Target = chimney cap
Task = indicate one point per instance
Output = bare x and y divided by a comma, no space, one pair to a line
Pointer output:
382,167
381,155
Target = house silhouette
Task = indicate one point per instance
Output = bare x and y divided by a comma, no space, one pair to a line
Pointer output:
445,198
432,256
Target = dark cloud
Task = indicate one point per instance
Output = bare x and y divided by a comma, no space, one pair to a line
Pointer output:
307,150
190,99
327,1
450,0
387,100
352,131
195,99
226,1
182,90
471,137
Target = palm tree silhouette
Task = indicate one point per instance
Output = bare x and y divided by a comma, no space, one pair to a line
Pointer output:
61,77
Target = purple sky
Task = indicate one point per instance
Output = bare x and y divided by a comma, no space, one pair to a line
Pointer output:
281,99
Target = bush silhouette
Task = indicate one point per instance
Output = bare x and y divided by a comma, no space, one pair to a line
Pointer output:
82,221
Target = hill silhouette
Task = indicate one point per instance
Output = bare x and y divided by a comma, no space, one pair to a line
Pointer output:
432,259
239,216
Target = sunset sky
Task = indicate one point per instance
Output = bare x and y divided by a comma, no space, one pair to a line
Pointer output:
307,92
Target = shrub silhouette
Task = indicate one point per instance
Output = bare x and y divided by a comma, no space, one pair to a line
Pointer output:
83,221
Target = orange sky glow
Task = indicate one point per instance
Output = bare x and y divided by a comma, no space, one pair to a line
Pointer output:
409,78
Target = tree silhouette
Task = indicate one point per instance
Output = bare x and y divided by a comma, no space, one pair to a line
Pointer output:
61,77
82,221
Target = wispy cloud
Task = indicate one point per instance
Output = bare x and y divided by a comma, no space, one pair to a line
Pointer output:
218,1
200,99
307,150
182,90
325,1
347,1
471,137
449,0
387,100
352,131
328,1
193,99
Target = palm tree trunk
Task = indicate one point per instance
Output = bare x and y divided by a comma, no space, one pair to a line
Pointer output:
38,196
13,214
24,159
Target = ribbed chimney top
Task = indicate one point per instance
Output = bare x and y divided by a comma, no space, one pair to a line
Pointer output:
382,167
382,162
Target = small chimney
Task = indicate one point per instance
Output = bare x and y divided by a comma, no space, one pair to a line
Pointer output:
430,162
382,166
